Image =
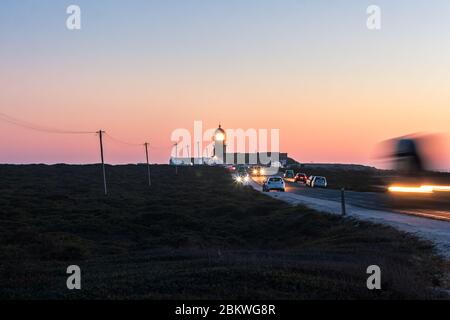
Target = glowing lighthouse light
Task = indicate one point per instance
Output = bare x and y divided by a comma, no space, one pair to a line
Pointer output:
220,136
220,145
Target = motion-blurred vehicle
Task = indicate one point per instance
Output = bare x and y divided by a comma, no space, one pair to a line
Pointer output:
301,178
309,181
407,156
289,174
274,183
257,171
319,182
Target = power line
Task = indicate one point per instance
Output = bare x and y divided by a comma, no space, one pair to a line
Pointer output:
36,127
32,126
122,141
131,144
160,148
46,129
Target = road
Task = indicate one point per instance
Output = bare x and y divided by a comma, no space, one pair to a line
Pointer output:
431,207
365,206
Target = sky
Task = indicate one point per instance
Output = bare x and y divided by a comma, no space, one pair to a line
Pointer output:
141,69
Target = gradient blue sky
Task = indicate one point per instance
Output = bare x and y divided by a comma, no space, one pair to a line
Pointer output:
140,69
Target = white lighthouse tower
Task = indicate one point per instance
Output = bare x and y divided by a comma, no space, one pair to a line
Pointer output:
220,145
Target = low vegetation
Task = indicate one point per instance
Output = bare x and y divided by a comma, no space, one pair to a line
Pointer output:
194,235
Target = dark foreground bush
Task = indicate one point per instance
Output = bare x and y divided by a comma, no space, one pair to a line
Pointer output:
195,235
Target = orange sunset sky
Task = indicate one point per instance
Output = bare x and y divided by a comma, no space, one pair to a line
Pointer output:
141,69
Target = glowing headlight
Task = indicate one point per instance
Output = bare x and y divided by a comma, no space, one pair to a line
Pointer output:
262,171
246,179
421,189
255,171
238,179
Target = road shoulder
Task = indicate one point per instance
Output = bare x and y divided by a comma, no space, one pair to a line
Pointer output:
435,231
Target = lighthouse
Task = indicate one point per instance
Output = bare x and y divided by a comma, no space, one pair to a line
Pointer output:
220,145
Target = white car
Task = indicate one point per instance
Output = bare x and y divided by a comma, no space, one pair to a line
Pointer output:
309,181
319,182
274,183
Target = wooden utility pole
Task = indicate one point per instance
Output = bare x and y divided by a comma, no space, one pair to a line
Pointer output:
189,154
148,165
198,153
176,155
100,134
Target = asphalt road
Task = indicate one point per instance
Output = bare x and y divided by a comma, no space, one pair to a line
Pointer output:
435,206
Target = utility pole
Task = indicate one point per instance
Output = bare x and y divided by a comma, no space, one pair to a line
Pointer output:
176,155
100,134
189,154
148,165
198,152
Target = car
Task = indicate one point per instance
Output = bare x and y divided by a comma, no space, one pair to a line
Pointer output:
230,168
242,176
274,183
309,180
257,171
289,174
300,177
319,182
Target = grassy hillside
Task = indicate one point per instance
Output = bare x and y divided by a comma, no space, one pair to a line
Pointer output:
195,235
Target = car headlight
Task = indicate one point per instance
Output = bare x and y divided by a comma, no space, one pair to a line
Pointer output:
262,171
246,179
238,179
